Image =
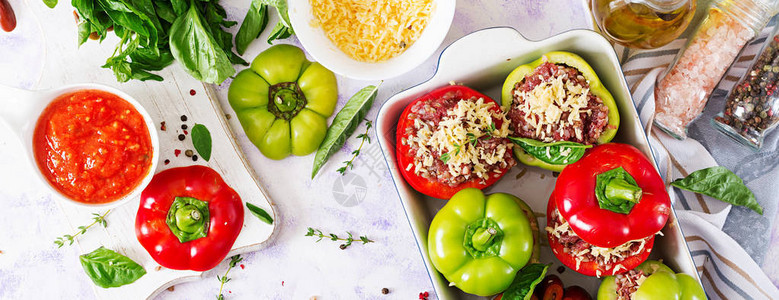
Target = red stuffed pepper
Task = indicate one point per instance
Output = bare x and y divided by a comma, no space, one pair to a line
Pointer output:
605,211
451,139
188,218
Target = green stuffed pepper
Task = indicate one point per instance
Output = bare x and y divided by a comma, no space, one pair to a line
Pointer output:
479,242
283,101
557,107
652,280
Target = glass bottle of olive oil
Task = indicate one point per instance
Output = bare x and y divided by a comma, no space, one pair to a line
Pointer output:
645,24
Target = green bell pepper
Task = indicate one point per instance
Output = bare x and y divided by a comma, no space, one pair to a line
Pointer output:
283,101
479,242
596,87
661,283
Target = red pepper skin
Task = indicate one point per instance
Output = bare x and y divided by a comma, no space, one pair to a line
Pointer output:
423,185
226,218
575,197
591,268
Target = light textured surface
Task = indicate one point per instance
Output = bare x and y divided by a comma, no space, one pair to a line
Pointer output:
294,267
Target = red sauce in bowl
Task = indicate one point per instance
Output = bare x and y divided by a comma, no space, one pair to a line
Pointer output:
92,146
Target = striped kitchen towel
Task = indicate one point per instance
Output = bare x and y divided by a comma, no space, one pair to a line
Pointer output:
726,269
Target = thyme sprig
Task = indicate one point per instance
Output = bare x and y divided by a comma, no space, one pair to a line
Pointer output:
363,137
333,237
70,238
234,260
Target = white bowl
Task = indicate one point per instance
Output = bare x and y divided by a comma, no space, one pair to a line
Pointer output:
326,53
20,110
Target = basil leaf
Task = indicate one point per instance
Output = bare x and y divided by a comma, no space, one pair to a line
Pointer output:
197,51
722,184
84,30
281,9
108,269
617,191
252,26
344,124
201,139
279,32
525,282
556,153
259,213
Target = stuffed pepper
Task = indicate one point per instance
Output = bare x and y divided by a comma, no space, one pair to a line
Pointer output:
479,242
189,218
557,107
605,211
450,139
652,280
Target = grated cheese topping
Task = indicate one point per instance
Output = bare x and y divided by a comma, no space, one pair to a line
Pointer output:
455,138
546,103
372,30
608,255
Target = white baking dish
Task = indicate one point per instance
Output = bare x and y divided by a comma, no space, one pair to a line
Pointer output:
482,60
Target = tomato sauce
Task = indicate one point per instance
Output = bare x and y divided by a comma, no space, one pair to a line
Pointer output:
92,146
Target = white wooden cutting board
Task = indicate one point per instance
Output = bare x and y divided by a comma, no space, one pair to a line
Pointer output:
168,101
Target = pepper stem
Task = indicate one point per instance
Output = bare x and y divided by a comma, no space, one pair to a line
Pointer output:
619,190
286,100
483,237
188,218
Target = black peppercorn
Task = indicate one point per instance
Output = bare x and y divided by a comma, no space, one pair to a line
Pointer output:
385,291
183,126
194,157
183,118
182,137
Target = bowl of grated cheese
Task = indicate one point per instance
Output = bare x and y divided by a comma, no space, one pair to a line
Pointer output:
371,40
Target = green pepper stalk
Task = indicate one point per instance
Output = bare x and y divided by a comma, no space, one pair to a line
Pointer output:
188,219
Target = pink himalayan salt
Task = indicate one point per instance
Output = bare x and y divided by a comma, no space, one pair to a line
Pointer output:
681,94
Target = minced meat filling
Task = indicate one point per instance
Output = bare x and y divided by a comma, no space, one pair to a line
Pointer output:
554,103
628,283
607,258
454,140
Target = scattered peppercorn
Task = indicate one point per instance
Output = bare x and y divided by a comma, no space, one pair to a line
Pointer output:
189,153
560,269
385,291
182,137
185,132
183,126
176,152
183,118
192,92
194,157
162,126
171,288
228,116
167,161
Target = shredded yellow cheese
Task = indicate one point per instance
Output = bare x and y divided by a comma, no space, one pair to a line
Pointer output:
456,135
545,104
372,30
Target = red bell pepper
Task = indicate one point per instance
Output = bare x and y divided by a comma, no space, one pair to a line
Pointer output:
611,196
405,156
189,218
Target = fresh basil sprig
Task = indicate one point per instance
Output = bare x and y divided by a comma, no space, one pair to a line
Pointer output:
344,124
201,139
722,184
108,269
197,50
259,213
556,153
525,282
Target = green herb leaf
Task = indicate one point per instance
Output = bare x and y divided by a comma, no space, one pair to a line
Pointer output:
525,282
344,124
108,269
279,32
197,51
253,24
445,157
260,213
722,184
617,191
556,153
201,139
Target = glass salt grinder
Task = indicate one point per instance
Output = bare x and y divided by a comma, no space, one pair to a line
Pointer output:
645,24
682,90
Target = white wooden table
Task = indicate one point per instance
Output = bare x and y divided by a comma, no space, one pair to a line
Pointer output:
42,53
